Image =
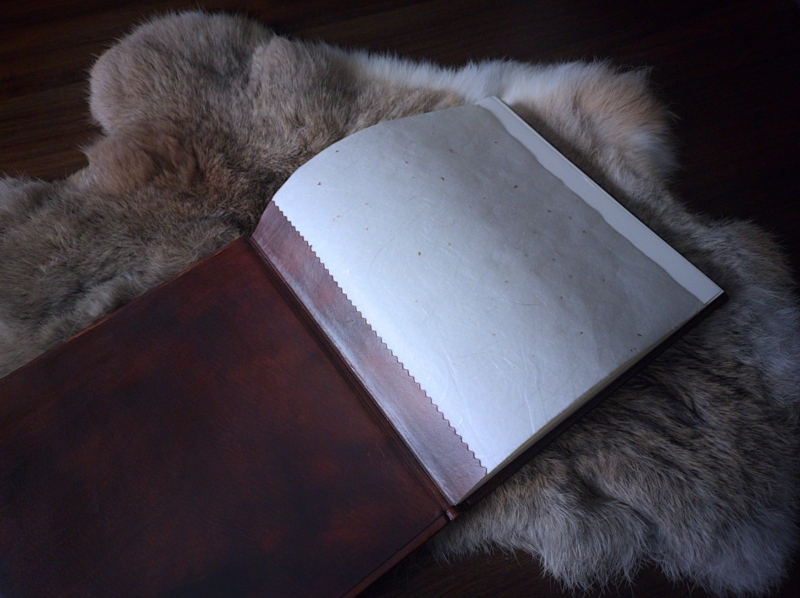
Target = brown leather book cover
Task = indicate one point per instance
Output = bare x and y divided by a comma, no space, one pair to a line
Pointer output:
243,429
204,440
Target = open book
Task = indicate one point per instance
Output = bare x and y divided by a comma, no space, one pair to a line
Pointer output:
421,303
507,283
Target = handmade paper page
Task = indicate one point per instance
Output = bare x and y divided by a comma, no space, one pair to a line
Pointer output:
508,297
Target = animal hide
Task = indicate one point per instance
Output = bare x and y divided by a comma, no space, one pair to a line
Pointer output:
692,465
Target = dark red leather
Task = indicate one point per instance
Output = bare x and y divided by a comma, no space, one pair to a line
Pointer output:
202,441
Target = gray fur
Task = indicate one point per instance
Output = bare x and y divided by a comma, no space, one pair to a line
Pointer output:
692,465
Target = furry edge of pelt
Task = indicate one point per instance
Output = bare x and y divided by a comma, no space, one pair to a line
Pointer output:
692,465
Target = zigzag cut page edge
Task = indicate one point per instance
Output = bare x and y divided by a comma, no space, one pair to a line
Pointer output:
435,443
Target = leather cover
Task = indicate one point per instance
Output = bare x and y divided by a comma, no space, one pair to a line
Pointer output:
203,440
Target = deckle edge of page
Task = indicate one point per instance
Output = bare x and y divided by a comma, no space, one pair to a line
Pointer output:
429,435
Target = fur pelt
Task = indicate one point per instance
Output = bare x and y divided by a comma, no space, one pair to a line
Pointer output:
692,465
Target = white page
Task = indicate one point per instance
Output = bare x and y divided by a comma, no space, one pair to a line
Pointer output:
505,295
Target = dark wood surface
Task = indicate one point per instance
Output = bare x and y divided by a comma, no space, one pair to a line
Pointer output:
729,71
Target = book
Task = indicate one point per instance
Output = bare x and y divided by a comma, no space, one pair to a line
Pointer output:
508,284
422,306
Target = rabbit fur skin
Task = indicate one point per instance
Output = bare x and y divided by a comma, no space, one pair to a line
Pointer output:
691,465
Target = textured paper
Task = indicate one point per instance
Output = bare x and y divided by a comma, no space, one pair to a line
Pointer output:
508,297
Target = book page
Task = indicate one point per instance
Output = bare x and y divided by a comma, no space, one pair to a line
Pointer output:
508,297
